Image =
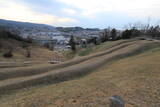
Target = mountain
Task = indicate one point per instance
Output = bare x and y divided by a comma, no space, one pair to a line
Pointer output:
42,31
75,29
26,25
26,29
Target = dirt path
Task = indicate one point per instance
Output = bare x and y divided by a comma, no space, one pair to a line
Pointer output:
16,79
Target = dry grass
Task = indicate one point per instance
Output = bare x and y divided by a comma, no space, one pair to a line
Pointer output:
71,71
26,71
135,78
62,74
39,55
94,49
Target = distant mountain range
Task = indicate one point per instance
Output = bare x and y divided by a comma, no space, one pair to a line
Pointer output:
41,27
38,31
75,29
26,26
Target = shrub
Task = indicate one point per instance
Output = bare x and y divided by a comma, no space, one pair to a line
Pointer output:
126,34
72,43
8,54
28,52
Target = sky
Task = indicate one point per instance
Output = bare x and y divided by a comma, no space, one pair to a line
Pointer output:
83,13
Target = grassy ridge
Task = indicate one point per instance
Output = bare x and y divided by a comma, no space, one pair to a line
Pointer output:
67,73
94,49
17,72
135,78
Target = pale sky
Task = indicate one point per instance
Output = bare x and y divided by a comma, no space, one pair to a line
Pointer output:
84,13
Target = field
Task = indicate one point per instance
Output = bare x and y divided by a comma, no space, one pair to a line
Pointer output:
129,68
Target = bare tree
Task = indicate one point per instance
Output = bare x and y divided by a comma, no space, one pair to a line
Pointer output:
28,52
9,52
114,34
105,35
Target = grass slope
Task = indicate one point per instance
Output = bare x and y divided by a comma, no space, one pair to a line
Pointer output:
72,71
94,49
135,78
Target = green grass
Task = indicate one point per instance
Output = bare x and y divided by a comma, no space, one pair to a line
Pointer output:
69,54
86,51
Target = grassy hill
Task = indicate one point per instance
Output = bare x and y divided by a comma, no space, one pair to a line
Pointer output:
19,48
129,68
39,54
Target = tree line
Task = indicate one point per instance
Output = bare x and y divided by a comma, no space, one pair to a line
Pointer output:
112,34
